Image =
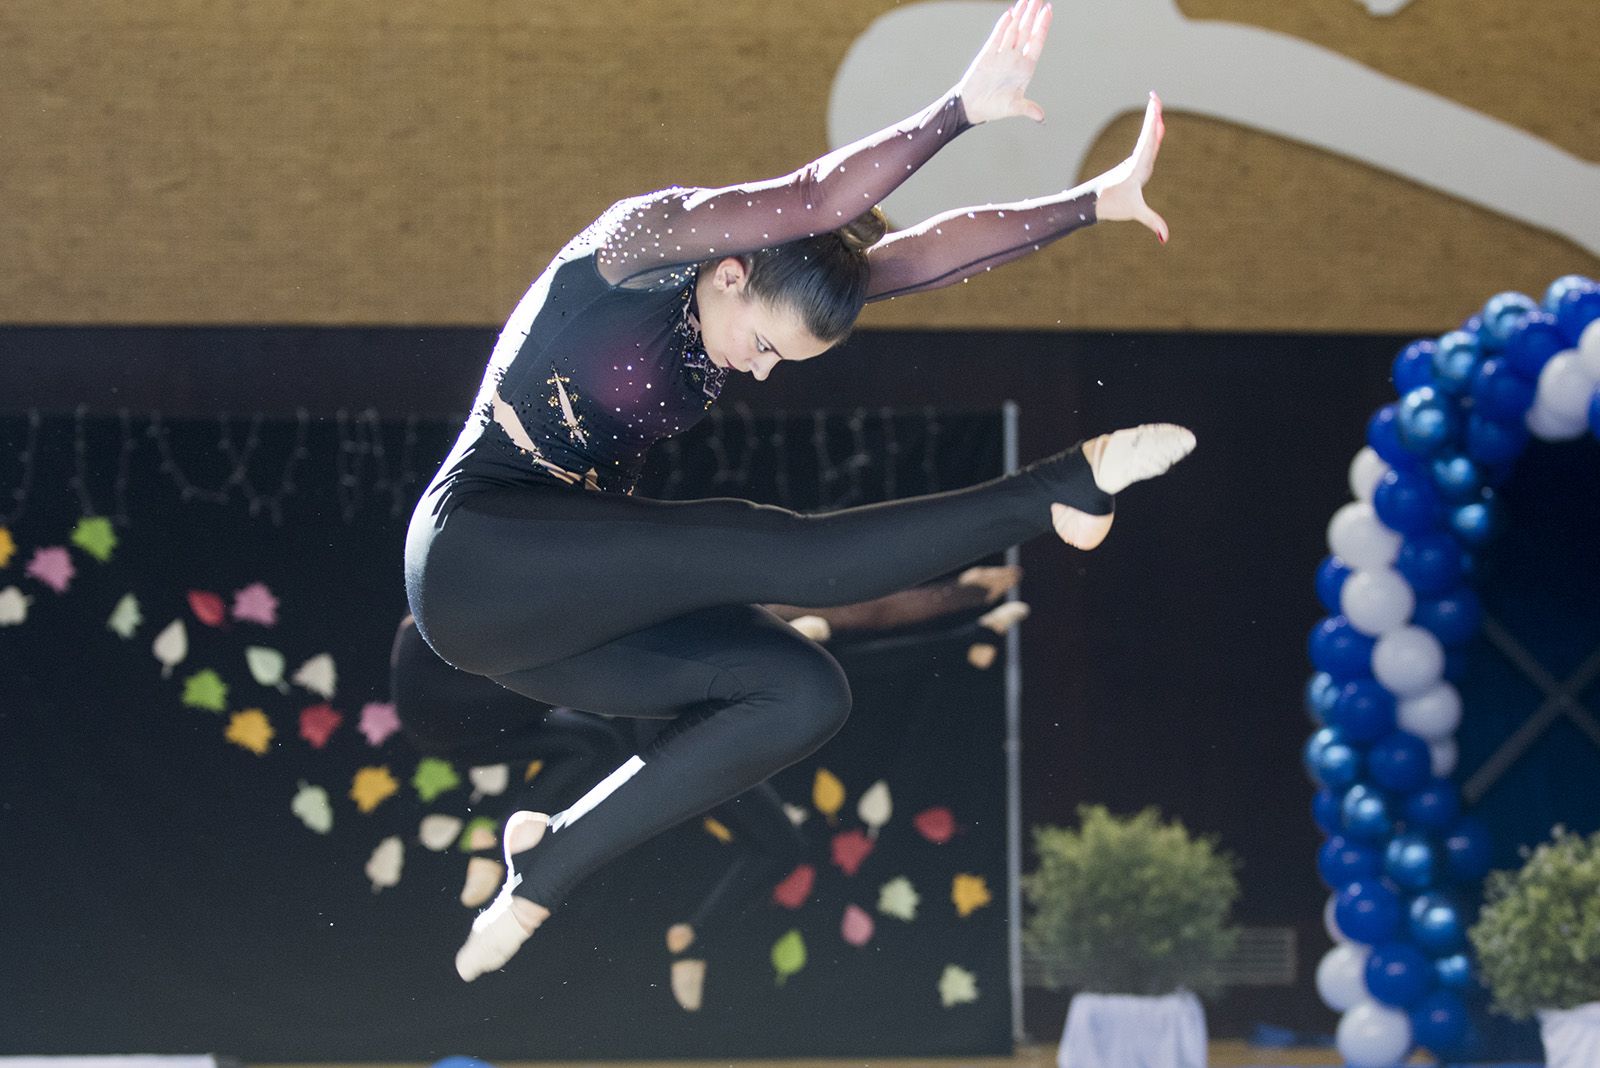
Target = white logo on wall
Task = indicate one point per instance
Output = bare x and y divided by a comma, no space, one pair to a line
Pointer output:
1099,65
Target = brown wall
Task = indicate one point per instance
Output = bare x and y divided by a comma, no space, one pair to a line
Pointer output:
208,161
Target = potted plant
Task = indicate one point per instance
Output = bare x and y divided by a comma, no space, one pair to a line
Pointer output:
1538,943
1131,914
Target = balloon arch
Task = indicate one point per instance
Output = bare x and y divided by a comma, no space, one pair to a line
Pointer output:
1397,584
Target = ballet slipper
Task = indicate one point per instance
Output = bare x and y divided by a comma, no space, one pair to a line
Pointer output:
1003,617
814,627
981,655
688,983
1118,460
499,930
995,581
680,936
483,876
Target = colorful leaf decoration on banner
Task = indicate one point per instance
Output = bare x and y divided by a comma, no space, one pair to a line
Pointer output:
371,787
94,535
434,777
266,666
437,832
311,805
796,814
898,898
481,833
856,927
317,675
489,780
378,721
251,730
255,604
13,606
317,724
205,690
850,849
788,955
8,546
796,887
125,617
718,830
970,893
827,794
534,768
875,807
207,607
957,986
53,567
383,867
171,646
937,825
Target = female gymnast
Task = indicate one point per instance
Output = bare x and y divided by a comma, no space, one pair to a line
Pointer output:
529,561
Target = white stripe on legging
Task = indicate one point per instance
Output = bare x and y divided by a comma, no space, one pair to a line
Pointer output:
604,789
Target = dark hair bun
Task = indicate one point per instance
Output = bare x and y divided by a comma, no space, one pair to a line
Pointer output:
864,231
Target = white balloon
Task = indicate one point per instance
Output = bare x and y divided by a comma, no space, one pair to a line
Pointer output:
1365,472
1330,919
1589,350
1358,537
1371,1035
1547,425
1564,389
1443,755
1341,976
1408,661
1377,600
1432,715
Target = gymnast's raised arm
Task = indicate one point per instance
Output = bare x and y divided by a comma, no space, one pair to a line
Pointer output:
689,225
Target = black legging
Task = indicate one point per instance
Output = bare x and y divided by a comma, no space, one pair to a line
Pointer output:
635,607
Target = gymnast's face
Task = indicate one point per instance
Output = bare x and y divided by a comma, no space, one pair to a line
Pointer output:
745,333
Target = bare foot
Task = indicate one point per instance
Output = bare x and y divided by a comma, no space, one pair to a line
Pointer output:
688,983
995,581
680,936
1118,460
500,929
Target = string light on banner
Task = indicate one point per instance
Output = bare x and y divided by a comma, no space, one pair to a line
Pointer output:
27,458
1396,584
238,479
361,444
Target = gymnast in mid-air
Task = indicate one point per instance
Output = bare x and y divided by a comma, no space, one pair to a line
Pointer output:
529,560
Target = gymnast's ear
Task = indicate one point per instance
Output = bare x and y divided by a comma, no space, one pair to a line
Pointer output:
730,274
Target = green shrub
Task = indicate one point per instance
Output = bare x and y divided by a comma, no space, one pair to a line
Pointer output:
1129,906
1538,938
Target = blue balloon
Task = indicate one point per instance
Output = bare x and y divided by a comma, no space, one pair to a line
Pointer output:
1576,309
1365,711
1453,972
1500,393
1321,693
1433,808
1367,911
1504,314
1342,861
1365,813
1383,434
1467,850
1331,574
1399,762
1531,346
1454,361
1406,502
1325,810
1338,765
1439,1022
460,1062
1455,476
1414,366
1436,925
1553,295
1398,974
1339,649
1410,861
1492,442
1453,618
1426,420
1477,522
1430,562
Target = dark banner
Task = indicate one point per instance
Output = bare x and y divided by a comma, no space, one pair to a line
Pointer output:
218,838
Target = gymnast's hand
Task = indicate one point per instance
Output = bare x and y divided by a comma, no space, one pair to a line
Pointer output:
995,85
1120,191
